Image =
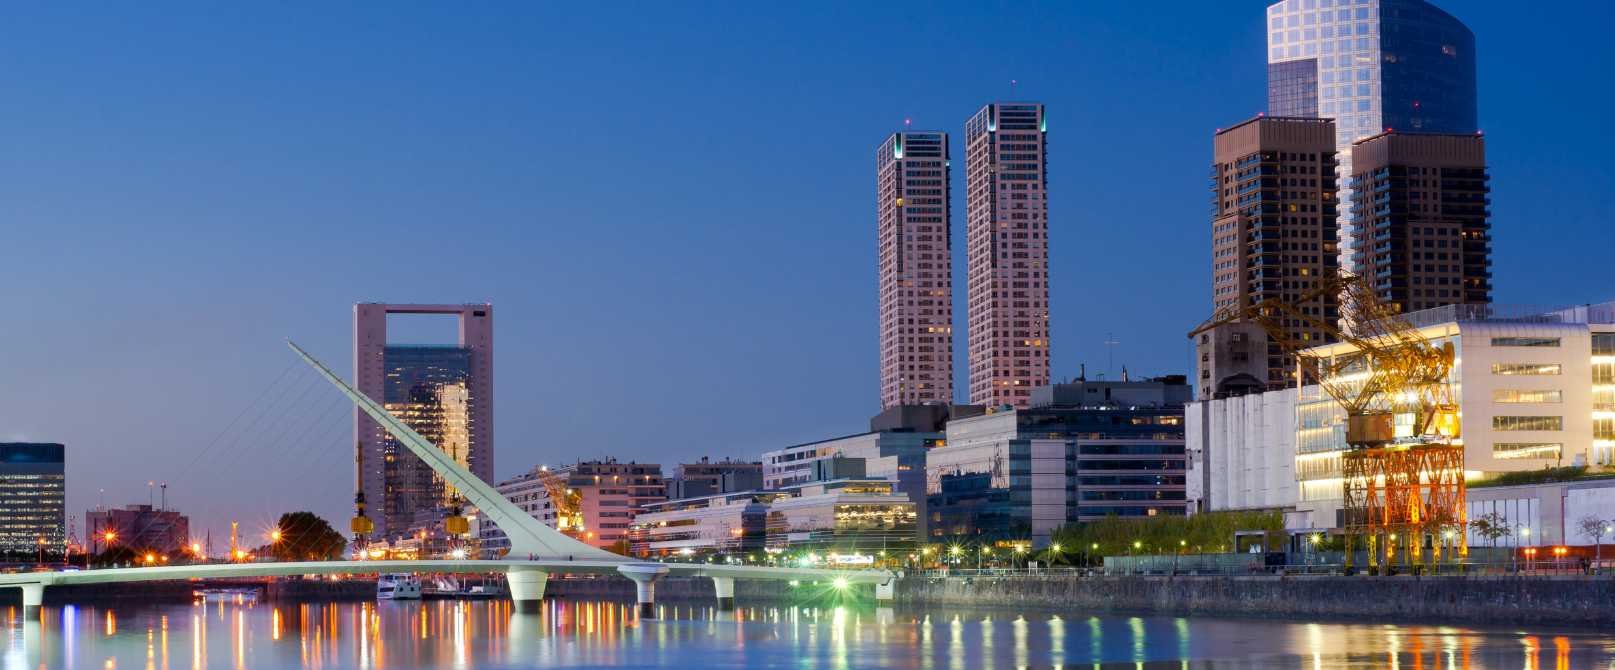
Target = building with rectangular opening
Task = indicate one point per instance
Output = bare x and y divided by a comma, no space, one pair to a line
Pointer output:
442,391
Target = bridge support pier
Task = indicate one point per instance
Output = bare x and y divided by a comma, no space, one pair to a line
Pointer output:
724,587
644,576
33,596
526,588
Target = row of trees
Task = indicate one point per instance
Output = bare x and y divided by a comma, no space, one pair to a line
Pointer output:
1211,532
1494,526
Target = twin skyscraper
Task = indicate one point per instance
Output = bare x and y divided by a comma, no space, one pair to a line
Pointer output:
1006,252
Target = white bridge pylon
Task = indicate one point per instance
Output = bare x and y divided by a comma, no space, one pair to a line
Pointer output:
529,538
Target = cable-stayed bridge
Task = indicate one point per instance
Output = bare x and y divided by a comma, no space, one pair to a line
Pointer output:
536,550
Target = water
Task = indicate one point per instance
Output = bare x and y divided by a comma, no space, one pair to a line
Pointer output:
570,634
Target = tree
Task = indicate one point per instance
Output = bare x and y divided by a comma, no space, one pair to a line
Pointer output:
1595,528
1493,527
306,537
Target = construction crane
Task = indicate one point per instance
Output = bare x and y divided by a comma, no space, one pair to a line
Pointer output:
1402,473
565,500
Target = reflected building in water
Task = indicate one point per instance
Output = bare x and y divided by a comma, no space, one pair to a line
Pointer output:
1081,452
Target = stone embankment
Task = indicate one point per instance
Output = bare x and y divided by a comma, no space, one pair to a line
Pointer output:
1567,600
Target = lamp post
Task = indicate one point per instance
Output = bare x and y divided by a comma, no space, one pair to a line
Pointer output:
1525,531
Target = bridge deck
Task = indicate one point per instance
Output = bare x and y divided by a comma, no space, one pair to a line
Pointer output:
186,572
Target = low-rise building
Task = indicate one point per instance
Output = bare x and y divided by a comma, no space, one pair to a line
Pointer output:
139,527
1545,514
594,501
708,477
898,455
847,518
1091,450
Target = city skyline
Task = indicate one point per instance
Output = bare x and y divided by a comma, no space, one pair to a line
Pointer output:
120,261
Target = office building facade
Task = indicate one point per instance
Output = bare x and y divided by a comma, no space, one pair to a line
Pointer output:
1535,389
708,477
444,392
856,520
1020,474
142,528
1274,238
1007,245
1421,218
33,497
1370,65
914,249
593,501
898,456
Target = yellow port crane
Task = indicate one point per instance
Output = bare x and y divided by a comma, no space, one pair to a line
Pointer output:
565,500
1402,473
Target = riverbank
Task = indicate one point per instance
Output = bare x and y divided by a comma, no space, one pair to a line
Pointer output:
1568,601
1535,600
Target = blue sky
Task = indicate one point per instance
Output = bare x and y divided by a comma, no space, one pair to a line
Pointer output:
670,206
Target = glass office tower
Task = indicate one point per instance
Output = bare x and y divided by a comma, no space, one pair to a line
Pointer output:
1370,65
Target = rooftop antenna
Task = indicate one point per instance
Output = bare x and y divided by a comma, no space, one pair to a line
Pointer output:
1110,353
1012,84
907,123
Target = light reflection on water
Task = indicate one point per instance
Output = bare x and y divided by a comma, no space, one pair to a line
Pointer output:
449,634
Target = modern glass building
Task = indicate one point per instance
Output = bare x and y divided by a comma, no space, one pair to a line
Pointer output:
1370,65
444,392
33,497
1081,452
427,389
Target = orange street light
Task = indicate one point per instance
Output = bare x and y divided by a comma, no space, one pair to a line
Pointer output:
274,535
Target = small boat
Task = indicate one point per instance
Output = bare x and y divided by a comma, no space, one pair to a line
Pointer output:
398,587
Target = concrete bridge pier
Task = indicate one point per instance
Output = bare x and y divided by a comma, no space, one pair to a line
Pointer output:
644,576
526,588
724,587
33,596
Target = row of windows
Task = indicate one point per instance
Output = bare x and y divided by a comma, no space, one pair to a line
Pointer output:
1525,341
1526,368
1516,396
1527,449
1528,423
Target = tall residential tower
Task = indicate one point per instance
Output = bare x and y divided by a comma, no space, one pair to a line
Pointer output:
1423,234
1006,230
1273,237
1370,65
916,270
444,392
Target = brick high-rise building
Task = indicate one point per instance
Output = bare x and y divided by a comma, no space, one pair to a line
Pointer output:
1421,218
916,269
1273,235
1006,230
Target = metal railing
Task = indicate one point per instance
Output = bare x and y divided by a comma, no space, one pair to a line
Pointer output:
1540,568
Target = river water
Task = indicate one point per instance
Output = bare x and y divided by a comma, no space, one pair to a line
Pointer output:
572,634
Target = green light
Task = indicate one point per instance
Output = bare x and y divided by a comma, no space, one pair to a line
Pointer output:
840,583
